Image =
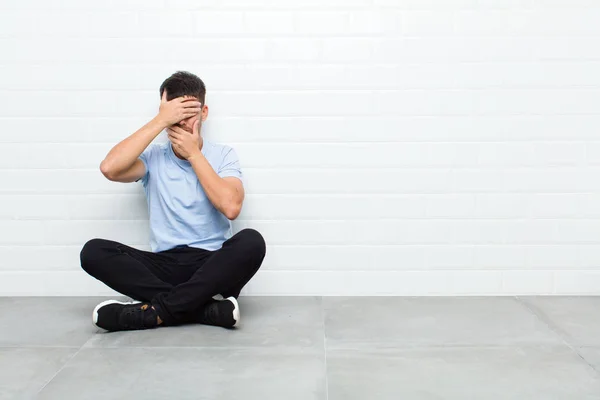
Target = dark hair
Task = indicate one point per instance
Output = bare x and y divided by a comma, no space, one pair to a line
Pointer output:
183,83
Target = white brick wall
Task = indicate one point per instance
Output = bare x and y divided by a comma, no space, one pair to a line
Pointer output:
414,147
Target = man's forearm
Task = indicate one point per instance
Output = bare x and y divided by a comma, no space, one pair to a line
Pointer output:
218,191
125,153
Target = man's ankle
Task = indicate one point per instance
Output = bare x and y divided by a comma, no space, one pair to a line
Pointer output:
158,320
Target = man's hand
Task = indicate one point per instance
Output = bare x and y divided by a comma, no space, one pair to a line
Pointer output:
187,144
178,109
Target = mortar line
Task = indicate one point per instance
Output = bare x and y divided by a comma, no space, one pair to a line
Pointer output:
562,335
65,364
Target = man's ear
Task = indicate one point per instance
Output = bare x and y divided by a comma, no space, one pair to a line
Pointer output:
204,113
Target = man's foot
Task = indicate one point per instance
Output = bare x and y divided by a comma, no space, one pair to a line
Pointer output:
114,315
224,313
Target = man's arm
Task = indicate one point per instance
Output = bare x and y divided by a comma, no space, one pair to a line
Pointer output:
226,194
122,164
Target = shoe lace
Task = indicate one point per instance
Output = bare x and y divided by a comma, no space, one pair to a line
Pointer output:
211,313
134,317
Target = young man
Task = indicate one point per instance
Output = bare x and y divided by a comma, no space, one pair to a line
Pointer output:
193,187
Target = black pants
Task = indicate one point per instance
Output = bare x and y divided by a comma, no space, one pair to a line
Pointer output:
180,281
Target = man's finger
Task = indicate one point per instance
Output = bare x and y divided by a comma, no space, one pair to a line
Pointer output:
163,98
185,99
192,111
192,104
177,130
189,115
195,127
173,134
175,138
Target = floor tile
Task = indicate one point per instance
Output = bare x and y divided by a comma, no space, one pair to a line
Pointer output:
399,321
47,321
575,317
177,373
24,371
266,322
591,355
552,373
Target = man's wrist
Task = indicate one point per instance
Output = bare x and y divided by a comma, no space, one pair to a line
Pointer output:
161,123
195,155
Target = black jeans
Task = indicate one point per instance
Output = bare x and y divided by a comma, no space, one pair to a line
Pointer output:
180,281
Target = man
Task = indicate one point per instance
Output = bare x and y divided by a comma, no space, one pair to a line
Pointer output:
193,187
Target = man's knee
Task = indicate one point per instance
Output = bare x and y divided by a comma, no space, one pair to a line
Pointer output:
253,242
91,254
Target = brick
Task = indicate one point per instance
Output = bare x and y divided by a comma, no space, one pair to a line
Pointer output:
321,22
291,50
268,22
165,24
212,23
347,49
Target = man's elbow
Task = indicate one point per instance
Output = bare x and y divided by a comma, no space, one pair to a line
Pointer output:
232,211
107,171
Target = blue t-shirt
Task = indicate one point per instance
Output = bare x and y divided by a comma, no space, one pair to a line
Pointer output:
180,212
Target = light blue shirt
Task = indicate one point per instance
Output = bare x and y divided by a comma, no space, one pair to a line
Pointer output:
179,210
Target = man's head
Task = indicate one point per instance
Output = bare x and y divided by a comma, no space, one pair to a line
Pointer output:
183,83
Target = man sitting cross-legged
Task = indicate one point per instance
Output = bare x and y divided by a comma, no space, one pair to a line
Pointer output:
193,187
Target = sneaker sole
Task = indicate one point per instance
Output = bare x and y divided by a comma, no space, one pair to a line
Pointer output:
236,310
105,303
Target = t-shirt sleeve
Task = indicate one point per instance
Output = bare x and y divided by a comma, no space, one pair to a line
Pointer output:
230,166
147,158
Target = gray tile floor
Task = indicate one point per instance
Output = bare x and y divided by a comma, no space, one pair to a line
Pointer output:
311,348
